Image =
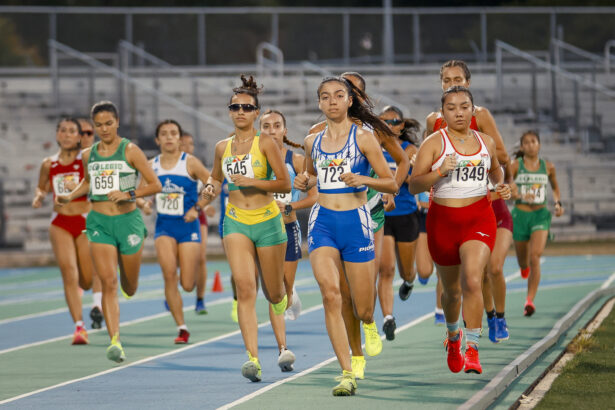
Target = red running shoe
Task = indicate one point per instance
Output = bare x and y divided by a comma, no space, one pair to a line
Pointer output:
525,272
80,337
454,357
182,338
529,308
472,361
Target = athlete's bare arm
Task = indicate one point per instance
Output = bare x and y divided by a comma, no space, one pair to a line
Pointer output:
368,144
214,182
43,183
307,179
559,208
430,121
486,124
312,194
496,175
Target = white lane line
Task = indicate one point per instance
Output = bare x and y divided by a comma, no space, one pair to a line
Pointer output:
311,369
33,315
147,359
608,281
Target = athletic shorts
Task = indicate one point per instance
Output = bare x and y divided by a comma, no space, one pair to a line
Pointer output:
526,223
73,224
448,228
126,231
293,247
263,226
422,219
347,231
179,230
377,215
202,218
503,219
404,228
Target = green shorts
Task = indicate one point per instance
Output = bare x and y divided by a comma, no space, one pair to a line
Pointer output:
525,223
267,233
126,232
377,217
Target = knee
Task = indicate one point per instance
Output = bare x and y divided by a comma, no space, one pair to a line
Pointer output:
170,280
109,283
85,283
245,292
387,271
187,285
496,270
451,293
472,283
365,313
534,258
331,298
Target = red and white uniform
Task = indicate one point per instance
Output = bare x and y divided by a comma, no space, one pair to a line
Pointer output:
59,176
449,227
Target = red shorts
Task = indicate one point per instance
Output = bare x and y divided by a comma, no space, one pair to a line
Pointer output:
448,228
203,218
503,218
73,224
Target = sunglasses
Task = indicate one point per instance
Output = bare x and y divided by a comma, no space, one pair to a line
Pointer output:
88,133
395,121
244,107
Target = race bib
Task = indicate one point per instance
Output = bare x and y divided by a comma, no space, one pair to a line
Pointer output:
329,172
285,198
467,174
238,166
533,194
103,182
170,204
65,183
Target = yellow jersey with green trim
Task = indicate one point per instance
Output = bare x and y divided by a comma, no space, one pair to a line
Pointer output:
252,165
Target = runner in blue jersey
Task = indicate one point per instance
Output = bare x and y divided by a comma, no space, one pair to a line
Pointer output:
338,162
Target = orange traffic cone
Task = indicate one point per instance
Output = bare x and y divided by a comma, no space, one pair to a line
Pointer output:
217,286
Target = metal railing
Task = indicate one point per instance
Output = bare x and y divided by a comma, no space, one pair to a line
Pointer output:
264,64
607,55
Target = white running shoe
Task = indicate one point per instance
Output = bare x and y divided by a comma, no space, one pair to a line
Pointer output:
286,360
293,312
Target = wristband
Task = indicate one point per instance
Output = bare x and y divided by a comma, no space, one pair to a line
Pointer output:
208,184
197,208
439,173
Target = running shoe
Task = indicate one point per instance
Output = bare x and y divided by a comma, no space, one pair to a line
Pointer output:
501,329
373,343
199,307
280,307
525,272
439,319
97,317
182,337
294,310
423,281
454,358
492,329
166,306
347,386
115,352
234,315
286,359
472,364
529,308
405,290
358,366
80,337
126,295
389,327
252,369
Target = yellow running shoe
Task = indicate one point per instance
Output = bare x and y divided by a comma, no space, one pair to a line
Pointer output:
347,386
252,369
358,366
234,312
126,295
373,343
115,352
280,307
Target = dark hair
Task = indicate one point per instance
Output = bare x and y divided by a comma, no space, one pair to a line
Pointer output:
168,121
249,87
357,75
456,63
286,140
104,106
361,108
519,153
185,133
74,121
454,90
411,129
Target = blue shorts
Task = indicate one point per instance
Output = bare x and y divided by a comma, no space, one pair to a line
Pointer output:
179,230
293,246
348,231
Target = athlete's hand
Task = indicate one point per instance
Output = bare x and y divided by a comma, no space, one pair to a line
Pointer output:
559,210
281,205
389,202
118,196
210,211
449,164
191,215
70,185
503,191
208,192
352,180
147,207
301,181
37,202
241,180
61,200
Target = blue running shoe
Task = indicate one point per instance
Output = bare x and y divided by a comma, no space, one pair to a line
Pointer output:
501,329
199,307
166,306
423,281
492,326
439,319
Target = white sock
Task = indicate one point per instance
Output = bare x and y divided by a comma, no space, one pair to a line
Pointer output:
440,311
387,317
184,327
97,300
79,323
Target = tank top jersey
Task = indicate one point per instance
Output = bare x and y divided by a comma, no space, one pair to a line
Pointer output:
532,184
60,174
112,173
223,200
440,123
252,165
179,190
292,196
470,176
405,203
330,165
